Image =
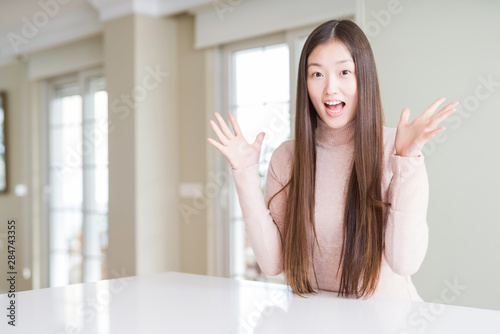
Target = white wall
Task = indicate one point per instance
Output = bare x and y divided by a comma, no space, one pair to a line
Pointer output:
231,21
424,50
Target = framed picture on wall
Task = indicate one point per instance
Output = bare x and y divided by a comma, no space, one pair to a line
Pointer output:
3,159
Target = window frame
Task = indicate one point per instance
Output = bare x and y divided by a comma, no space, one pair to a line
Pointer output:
219,215
48,88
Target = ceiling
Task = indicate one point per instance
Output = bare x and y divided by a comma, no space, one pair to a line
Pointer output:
28,26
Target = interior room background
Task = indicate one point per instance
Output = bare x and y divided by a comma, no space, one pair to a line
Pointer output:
108,170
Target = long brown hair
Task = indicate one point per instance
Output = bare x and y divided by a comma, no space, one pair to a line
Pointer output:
365,212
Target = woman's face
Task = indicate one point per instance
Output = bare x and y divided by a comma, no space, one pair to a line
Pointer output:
331,83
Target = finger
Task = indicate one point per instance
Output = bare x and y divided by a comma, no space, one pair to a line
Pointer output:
450,105
234,123
447,107
219,134
430,110
405,115
431,134
442,114
439,117
223,126
220,147
260,138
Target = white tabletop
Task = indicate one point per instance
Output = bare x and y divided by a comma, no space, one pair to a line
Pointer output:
185,303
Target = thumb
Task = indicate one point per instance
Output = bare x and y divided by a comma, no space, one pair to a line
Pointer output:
260,138
405,115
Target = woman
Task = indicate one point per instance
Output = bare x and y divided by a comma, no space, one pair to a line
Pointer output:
325,214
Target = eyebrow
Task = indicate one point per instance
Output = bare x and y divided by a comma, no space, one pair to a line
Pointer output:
338,62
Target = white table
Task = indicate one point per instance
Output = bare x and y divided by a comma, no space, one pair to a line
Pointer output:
184,303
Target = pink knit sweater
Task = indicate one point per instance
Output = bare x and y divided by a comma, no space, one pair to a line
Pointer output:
404,183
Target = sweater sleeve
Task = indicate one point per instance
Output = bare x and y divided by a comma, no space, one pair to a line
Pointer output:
262,231
407,233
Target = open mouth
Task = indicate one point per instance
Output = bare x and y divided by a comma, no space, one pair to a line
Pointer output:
334,108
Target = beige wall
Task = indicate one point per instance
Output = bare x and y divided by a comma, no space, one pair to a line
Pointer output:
119,51
428,49
13,81
141,68
161,145
192,146
157,146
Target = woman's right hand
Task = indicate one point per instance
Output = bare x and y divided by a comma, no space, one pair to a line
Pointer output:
235,148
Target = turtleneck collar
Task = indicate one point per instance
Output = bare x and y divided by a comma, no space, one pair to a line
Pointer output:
327,136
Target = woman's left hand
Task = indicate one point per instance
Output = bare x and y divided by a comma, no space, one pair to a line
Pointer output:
410,138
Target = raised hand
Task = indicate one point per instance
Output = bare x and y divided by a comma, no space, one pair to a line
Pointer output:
410,138
235,148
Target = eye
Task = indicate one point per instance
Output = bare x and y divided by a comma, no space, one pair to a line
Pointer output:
345,71
316,74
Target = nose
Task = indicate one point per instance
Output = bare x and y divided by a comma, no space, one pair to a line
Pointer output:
332,85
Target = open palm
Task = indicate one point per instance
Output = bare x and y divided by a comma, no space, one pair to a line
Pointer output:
235,148
410,138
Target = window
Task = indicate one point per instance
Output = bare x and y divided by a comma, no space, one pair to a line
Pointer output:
261,81
261,103
78,179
